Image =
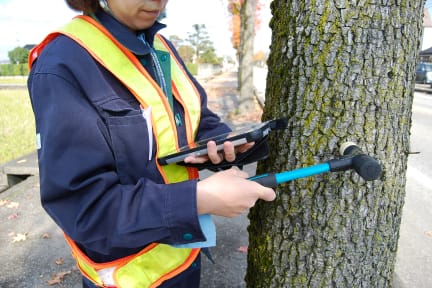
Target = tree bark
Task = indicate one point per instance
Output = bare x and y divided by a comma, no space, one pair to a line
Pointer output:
338,71
247,103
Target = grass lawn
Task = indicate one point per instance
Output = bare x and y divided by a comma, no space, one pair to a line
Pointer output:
17,126
13,80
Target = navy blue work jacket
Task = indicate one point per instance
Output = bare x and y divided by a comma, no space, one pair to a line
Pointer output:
96,179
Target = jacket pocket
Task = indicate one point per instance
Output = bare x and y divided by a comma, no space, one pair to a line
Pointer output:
129,139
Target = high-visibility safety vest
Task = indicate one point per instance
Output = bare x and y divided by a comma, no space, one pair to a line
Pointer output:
156,262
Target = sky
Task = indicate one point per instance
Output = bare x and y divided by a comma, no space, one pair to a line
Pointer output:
29,21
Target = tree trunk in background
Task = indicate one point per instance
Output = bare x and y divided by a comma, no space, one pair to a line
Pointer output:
339,71
247,103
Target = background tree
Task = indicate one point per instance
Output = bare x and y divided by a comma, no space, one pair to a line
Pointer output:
18,55
187,53
260,58
176,40
339,71
200,41
234,9
246,97
244,24
209,56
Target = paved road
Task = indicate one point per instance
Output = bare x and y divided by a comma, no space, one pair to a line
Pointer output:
414,257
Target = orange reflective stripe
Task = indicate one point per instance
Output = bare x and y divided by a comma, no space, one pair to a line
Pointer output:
35,51
190,134
193,173
83,263
105,265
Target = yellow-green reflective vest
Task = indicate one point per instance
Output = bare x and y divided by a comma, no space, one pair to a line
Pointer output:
157,262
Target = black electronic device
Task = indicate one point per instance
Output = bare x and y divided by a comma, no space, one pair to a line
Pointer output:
249,133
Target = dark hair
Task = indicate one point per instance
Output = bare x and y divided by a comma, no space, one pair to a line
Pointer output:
86,6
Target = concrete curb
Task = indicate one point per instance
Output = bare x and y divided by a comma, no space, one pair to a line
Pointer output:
17,170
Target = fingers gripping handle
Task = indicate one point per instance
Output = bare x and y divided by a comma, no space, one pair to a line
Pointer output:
366,166
268,180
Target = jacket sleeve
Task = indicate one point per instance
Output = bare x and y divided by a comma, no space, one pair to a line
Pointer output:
79,182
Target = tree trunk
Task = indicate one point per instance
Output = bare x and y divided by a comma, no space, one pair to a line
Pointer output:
247,103
339,71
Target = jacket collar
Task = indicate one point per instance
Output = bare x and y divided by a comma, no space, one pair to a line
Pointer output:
127,37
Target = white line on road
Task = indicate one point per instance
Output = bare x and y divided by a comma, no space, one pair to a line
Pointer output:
421,110
420,177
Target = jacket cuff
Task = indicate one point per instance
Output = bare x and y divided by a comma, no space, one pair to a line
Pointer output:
182,213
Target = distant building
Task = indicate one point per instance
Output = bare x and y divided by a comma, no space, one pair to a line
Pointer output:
426,19
426,55
426,47
29,46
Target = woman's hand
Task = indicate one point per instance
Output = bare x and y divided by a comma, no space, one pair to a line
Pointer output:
228,153
228,193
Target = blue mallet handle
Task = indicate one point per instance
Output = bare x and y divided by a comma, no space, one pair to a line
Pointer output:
272,180
354,158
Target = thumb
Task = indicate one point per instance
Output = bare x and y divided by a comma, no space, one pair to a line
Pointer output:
268,194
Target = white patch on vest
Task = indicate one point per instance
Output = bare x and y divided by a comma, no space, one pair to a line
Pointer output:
107,275
147,116
38,141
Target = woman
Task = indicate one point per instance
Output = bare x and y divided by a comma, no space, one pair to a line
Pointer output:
110,96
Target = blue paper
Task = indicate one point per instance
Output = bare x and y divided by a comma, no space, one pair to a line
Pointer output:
209,230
